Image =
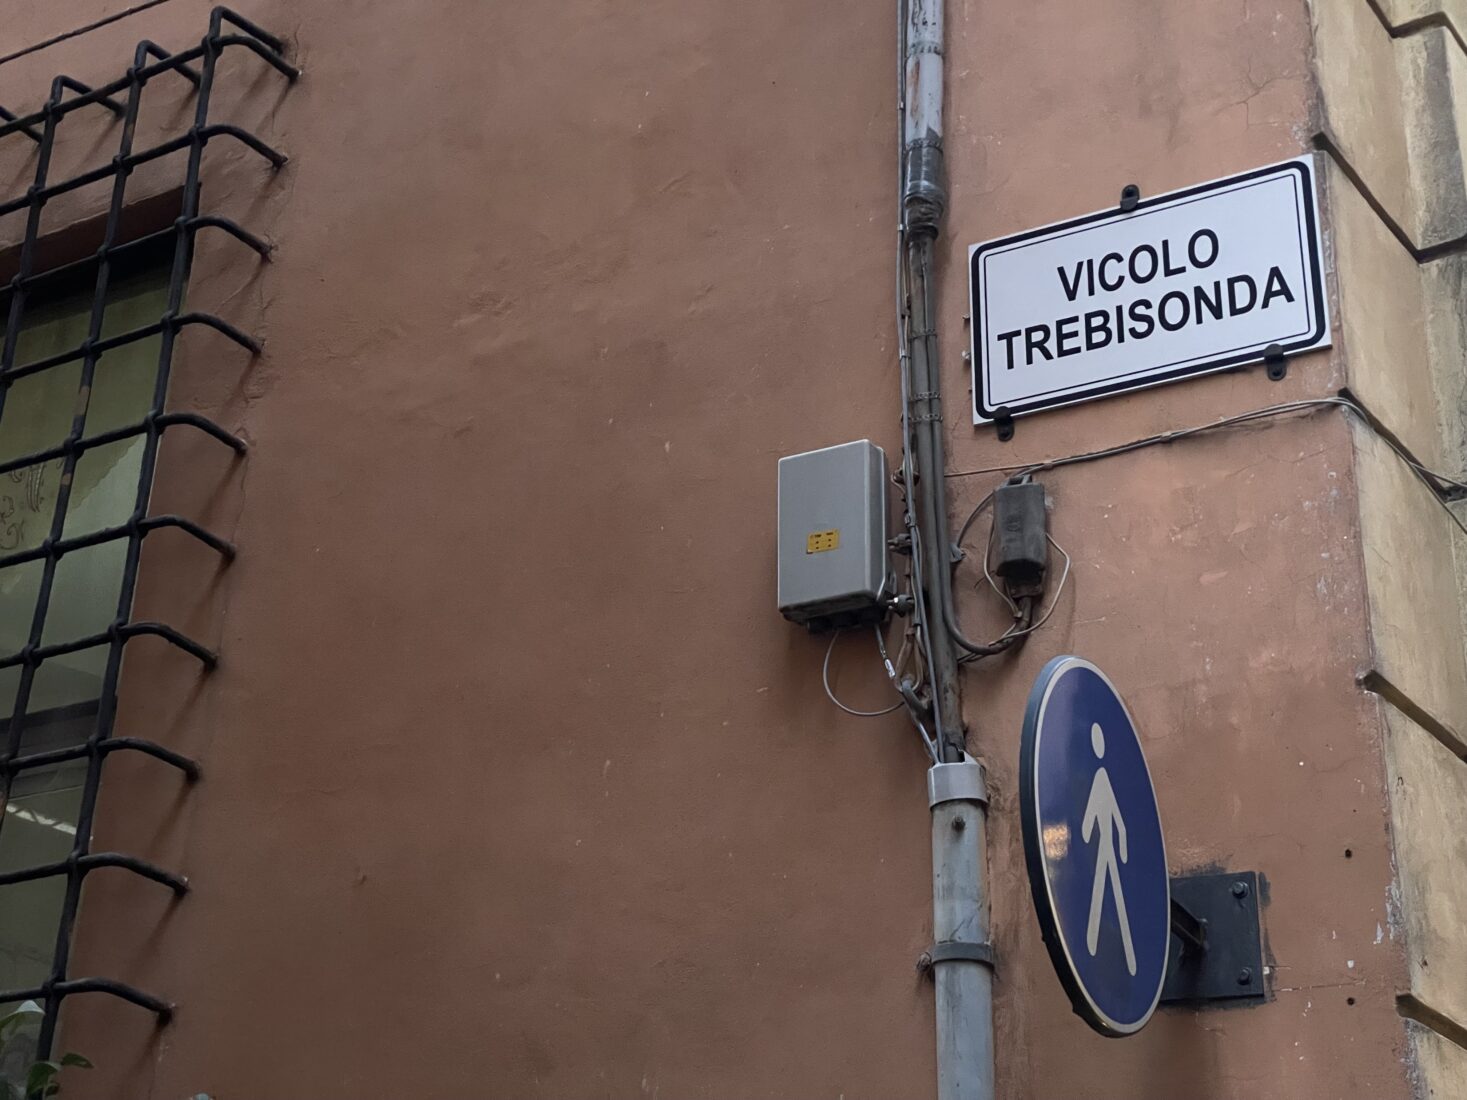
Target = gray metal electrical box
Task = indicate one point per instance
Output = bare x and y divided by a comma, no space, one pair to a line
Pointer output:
832,536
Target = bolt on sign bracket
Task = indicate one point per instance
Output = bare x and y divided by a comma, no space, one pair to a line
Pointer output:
1217,940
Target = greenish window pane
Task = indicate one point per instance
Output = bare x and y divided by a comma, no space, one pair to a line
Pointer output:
67,681
19,585
30,913
122,384
38,411
9,686
27,505
133,301
84,592
105,489
122,387
52,327
39,825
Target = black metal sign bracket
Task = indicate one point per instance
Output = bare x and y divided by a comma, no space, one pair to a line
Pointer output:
1003,424
1276,361
1217,939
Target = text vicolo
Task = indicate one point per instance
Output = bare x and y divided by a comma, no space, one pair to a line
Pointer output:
1223,297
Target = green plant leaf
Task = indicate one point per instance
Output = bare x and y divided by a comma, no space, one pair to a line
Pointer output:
40,1076
72,1059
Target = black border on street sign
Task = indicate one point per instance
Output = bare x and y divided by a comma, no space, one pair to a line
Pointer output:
1254,354
1064,966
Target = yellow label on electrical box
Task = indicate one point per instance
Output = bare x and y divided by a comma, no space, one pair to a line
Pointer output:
817,542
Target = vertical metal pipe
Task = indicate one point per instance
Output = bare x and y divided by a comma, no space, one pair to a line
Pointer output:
925,197
964,985
962,957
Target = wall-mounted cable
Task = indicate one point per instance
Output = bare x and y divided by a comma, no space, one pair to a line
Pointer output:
825,680
1435,481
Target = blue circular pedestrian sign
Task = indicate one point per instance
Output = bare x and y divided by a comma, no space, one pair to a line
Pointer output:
1094,847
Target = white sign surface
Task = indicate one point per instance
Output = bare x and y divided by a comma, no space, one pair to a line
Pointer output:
1188,282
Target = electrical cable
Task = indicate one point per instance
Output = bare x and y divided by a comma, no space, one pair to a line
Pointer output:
1282,409
1430,478
904,359
891,672
944,585
1059,591
1023,610
967,523
825,679
909,631
919,601
921,597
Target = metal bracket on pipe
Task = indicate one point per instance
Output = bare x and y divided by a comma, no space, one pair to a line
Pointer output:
962,782
957,951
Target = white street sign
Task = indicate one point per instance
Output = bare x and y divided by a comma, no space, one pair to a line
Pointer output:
1188,282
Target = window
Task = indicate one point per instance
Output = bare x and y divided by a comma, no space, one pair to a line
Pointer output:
87,354
39,823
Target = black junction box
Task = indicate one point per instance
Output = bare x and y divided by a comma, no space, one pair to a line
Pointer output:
1020,525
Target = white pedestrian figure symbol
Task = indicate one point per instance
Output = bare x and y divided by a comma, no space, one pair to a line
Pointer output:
1102,814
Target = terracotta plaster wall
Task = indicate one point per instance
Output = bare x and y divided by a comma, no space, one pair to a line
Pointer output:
515,783
1219,581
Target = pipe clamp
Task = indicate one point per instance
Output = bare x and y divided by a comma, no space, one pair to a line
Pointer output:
953,951
962,782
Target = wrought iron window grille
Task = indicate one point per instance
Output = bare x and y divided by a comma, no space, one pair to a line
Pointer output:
227,31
